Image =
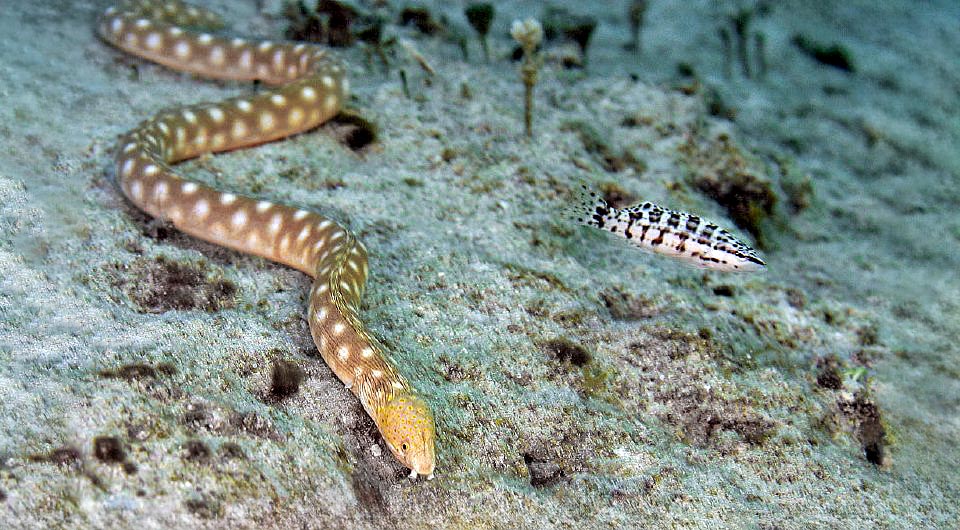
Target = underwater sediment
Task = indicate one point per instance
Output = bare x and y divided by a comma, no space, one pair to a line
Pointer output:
151,379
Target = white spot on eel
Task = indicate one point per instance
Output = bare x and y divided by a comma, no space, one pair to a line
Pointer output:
239,219
201,208
182,50
153,41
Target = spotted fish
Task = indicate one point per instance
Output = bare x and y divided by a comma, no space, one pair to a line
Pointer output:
679,235
308,88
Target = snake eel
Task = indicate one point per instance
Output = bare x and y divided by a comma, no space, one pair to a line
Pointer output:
679,235
308,87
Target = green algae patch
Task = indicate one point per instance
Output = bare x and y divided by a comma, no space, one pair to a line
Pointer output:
684,395
526,276
627,306
566,350
610,158
162,284
720,170
139,371
833,54
867,423
616,195
330,22
542,471
600,382
67,455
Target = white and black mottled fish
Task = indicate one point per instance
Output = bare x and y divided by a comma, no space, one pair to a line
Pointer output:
679,235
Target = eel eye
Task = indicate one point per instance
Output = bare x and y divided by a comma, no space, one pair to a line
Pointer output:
403,446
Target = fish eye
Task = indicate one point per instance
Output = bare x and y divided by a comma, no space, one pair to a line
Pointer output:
403,446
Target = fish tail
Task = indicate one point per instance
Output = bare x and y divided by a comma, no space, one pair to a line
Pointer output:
590,208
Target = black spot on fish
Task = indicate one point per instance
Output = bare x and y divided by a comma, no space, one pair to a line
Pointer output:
659,239
674,220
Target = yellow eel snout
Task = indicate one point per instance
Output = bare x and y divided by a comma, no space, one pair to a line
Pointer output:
408,428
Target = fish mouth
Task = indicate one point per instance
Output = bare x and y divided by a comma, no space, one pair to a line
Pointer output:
422,466
426,470
414,474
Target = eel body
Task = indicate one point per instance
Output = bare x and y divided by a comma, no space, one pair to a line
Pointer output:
308,87
679,235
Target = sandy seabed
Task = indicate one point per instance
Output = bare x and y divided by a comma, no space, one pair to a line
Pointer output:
577,382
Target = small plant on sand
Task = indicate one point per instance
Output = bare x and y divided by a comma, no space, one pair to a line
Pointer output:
529,33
